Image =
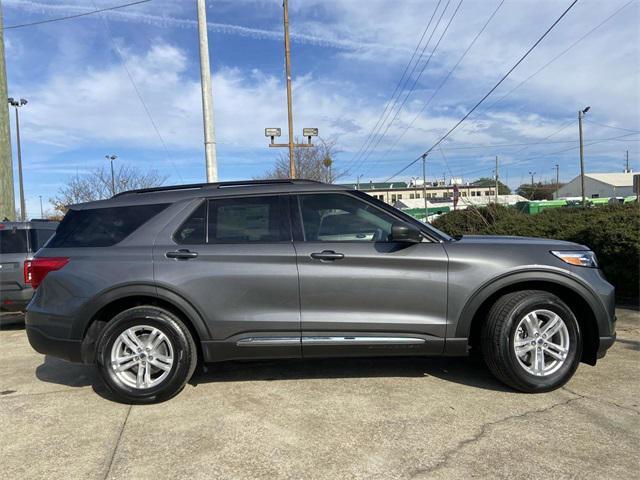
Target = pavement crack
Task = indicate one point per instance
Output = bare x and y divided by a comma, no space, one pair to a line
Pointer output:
484,429
602,400
115,447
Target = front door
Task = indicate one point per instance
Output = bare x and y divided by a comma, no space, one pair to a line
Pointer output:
360,293
234,261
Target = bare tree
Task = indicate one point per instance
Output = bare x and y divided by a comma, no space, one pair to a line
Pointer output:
96,185
312,163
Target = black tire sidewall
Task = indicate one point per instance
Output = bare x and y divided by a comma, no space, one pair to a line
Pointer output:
162,320
566,371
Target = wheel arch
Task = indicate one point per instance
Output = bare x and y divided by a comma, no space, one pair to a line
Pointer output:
122,298
579,297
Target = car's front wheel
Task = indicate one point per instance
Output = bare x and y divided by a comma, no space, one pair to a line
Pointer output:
531,341
146,354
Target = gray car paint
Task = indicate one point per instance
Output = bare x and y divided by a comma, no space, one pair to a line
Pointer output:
12,285
273,300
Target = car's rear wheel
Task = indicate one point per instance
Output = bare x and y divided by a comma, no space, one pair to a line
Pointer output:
531,341
146,354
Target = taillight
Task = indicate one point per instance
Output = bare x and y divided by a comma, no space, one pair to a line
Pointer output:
35,270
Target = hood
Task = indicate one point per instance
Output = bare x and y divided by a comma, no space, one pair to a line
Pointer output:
512,240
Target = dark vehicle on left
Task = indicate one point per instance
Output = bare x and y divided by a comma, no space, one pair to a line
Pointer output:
19,241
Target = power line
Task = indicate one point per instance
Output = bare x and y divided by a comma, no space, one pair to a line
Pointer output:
613,126
490,91
446,78
592,142
413,86
139,95
559,55
393,100
78,15
406,69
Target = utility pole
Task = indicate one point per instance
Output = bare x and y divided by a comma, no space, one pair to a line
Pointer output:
111,158
532,187
581,114
627,170
7,198
496,180
557,180
287,58
424,187
18,104
207,96
358,181
41,210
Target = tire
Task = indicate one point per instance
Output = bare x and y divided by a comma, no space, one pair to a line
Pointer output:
507,328
165,378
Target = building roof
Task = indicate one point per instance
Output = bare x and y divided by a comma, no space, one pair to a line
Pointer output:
614,179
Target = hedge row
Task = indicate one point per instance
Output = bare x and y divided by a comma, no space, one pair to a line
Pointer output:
612,232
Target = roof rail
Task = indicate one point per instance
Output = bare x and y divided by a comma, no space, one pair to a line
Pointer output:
193,186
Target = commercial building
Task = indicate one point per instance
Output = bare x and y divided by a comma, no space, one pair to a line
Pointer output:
598,185
398,191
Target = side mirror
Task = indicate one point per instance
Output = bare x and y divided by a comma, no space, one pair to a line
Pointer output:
402,232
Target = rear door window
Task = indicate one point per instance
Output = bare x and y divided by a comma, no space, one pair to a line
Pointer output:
192,231
13,241
248,220
101,227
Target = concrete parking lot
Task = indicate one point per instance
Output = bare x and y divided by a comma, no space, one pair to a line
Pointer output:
354,418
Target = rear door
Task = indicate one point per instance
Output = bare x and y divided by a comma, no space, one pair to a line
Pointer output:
233,259
360,293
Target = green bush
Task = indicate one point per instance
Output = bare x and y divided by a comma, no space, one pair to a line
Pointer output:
612,232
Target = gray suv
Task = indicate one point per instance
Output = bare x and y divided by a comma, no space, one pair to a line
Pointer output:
150,282
18,243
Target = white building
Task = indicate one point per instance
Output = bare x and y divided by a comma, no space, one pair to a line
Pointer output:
599,185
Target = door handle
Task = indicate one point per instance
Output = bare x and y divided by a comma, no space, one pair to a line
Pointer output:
327,255
181,254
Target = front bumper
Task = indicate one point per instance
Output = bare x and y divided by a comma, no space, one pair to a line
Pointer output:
605,344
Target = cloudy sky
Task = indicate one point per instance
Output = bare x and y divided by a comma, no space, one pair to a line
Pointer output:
86,80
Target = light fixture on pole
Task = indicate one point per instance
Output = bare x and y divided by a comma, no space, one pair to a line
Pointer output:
581,114
17,104
276,132
111,158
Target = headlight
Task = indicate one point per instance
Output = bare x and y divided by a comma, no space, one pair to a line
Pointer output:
581,258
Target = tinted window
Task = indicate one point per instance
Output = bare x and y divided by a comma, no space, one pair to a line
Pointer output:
250,219
101,227
336,218
39,237
13,241
191,232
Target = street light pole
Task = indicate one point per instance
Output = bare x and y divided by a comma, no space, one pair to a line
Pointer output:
532,187
17,104
287,58
211,159
557,180
424,186
581,114
111,158
41,211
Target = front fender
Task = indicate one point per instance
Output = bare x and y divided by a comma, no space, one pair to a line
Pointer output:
509,280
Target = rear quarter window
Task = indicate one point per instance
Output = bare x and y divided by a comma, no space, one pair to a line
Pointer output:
101,227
